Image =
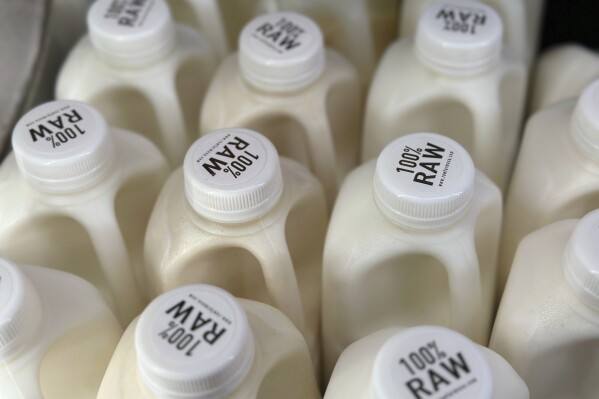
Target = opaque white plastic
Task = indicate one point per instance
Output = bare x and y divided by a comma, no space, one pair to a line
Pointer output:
452,82
556,175
436,268
62,334
76,196
381,366
142,71
260,354
547,325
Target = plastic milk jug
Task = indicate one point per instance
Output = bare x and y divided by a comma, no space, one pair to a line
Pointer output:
76,196
198,341
421,363
238,217
557,172
521,18
548,321
412,240
56,334
284,84
142,71
458,81
562,73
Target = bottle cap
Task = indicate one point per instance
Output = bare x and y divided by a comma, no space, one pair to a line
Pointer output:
459,37
585,120
581,259
131,32
423,180
232,175
62,146
431,362
281,52
20,310
194,342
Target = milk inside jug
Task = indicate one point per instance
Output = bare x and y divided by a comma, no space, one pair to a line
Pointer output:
556,175
284,84
198,341
412,240
422,362
238,217
76,195
454,78
56,334
548,321
142,71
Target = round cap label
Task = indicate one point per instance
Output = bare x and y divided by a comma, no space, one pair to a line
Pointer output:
6,287
461,21
126,16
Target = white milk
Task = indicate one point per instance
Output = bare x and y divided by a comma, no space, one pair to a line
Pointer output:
412,240
462,84
198,341
142,71
562,73
76,196
521,18
557,172
548,321
419,363
56,334
285,85
239,218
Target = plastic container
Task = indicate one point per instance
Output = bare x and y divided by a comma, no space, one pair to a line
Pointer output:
56,334
142,71
460,83
76,195
412,240
285,85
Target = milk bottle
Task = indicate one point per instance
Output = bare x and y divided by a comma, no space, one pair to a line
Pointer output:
76,196
557,173
460,83
548,321
412,240
561,73
285,85
198,341
142,71
522,20
239,218
422,362
56,334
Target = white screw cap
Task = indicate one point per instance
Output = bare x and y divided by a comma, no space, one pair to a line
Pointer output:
232,175
459,37
423,180
194,342
585,120
131,32
62,146
405,363
281,52
581,259
20,310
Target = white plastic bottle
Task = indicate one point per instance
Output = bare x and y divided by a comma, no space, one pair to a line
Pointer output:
239,218
548,321
422,362
455,78
412,240
285,85
562,73
557,172
142,71
76,196
56,334
521,18
198,341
